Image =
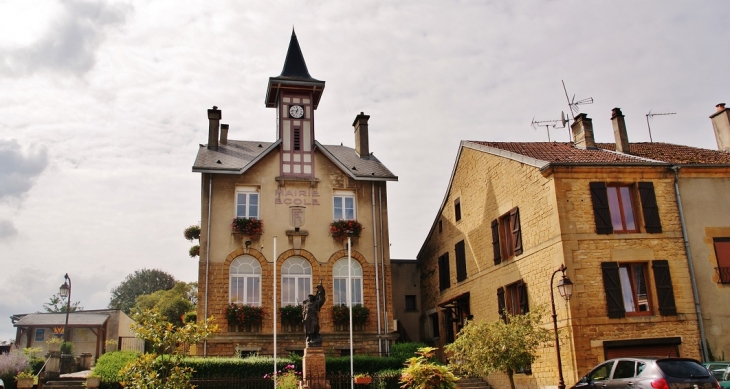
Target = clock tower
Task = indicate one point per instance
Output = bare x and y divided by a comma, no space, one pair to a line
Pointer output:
295,95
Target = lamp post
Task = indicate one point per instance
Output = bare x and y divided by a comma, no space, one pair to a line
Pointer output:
65,292
565,287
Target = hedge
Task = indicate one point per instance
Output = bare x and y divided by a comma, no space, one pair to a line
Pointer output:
362,364
108,365
249,367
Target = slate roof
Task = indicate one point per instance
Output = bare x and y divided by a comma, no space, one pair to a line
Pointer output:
238,156
59,319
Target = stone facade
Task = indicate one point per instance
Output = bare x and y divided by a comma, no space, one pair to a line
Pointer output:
558,226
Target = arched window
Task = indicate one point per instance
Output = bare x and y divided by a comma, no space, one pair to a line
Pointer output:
245,277
339,274
296,281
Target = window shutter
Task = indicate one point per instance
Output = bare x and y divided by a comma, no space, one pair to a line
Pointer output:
524,305
514,217
664,289
495,242
612,287
460,250
601,213
500,303
648,204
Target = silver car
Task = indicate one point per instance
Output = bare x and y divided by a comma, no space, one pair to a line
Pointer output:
648,373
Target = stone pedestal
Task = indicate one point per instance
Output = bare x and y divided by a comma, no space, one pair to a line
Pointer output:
314,374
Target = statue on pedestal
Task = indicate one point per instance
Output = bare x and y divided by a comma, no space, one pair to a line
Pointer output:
311,317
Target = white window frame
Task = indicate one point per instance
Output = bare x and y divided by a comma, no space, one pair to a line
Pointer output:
244,269
248,192
343,196
339,282
299,271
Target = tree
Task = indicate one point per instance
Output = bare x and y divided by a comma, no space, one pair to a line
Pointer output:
163,368
172,303
483,347
56,304
140,282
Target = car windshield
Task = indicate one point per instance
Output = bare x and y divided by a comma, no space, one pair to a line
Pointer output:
682,369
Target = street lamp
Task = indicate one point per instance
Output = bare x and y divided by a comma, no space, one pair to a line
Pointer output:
565,288
65,292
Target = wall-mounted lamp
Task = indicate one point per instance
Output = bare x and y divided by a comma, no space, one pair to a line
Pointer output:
248,243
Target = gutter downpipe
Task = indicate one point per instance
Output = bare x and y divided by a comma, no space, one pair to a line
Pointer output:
207,257
696,296
382,265
377,283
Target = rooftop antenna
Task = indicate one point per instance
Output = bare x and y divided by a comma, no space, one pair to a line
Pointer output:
573,105
648,115
550,123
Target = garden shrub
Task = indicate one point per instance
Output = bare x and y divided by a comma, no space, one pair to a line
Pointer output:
362,364
11,364
109,364
249,367
405,350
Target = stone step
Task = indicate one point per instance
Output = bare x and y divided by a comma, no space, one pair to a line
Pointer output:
65,384
472,383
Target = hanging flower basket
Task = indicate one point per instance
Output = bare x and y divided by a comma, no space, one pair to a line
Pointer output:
247,226
342,229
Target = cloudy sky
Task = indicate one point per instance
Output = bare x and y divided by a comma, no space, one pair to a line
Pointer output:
103,105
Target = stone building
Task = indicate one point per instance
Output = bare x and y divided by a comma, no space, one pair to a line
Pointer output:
297,187
515,212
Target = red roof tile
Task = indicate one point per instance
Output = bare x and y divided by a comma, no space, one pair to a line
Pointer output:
675,154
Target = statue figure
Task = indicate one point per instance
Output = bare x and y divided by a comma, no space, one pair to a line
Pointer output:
311,317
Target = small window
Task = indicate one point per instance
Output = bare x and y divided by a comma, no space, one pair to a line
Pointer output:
614,207
460,261
344,206
516,298
457,209
444,274
411,303
435,324
247,203
441,227
40,334
722,253
621,206
507,236
633,288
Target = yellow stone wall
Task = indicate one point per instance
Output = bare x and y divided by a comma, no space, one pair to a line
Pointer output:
557,227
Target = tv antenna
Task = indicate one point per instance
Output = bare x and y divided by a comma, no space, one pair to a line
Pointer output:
572,104
550,123
649,115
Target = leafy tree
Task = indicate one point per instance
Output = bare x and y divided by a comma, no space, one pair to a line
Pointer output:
57,304
422,373
140,282
172,304
483,347
163,368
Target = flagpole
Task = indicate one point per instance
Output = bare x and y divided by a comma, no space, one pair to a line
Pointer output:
349,303
273,311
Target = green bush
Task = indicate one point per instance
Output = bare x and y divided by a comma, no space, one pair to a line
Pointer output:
249,367
362,364
109,364
406,350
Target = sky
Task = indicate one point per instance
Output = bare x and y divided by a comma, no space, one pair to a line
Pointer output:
103,106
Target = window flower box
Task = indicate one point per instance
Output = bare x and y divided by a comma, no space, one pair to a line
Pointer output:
342,229
341,317
244,318
247,226
292,317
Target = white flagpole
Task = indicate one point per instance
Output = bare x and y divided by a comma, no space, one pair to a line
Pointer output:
349,303
273,311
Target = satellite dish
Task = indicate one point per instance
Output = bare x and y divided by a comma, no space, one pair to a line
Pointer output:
563,120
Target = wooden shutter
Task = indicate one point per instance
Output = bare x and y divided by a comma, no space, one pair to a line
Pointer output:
500,303
444,273
722,253
664,288
601,213
460,261
514,222
495,242
612,287
524,305
649,207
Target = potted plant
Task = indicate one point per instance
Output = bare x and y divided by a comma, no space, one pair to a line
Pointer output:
194,251
341,229
25,379
54,344
93,381
363,379
246,317
247,226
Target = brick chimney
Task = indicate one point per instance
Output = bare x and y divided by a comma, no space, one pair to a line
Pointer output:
721,125
583,132
224,134
214,119
361,135
619,131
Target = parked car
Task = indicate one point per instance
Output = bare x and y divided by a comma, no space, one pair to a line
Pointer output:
648,373
721,372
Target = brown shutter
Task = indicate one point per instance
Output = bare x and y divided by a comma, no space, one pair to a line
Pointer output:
495,242
612,287
648,204
601,213
460,250
500,303
664,289
524,305
514,217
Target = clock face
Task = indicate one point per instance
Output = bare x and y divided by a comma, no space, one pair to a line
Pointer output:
296,111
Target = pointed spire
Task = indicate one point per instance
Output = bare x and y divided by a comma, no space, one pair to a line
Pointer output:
294,65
